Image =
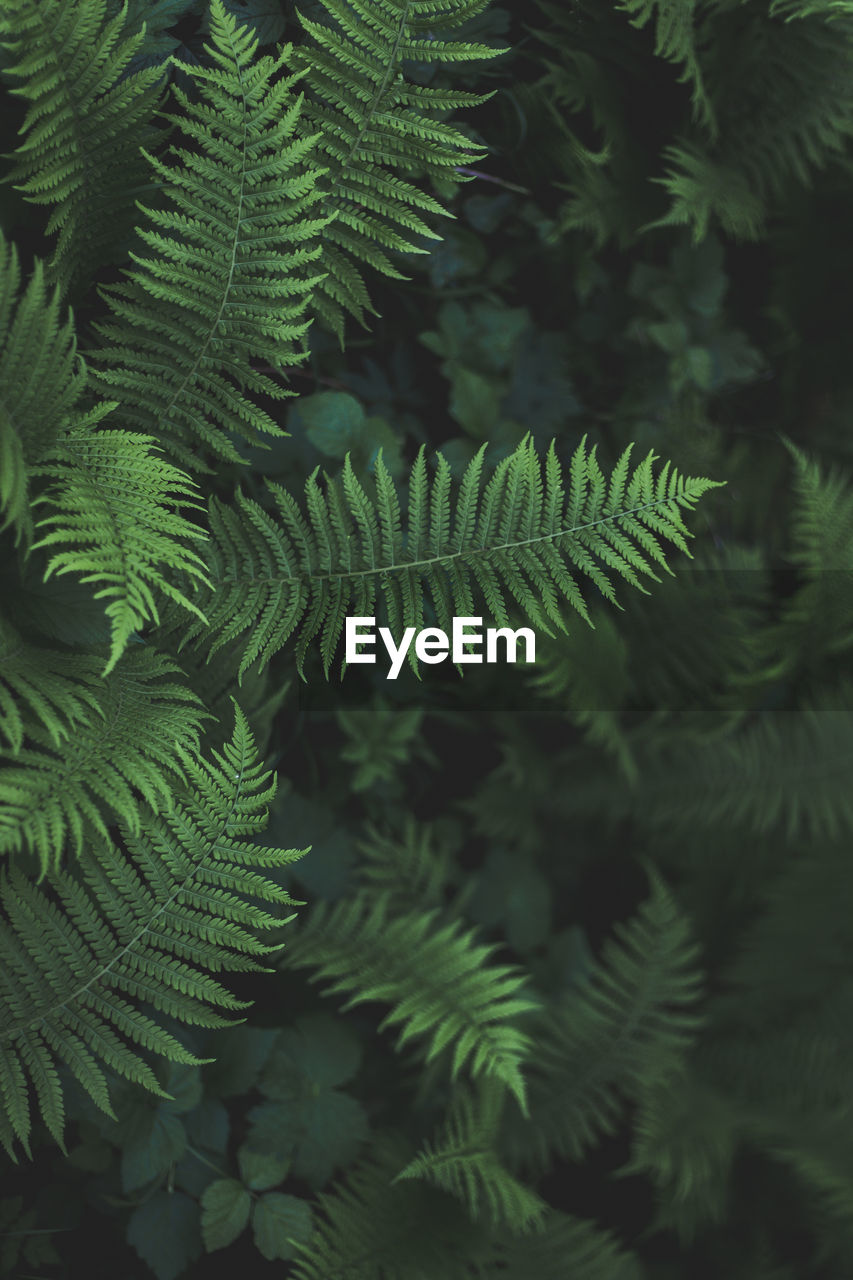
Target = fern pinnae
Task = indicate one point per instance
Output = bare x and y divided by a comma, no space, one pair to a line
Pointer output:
88,117
41,379
55,796
110,518
56,688
371,119
234,261
146,924
464,1162
434,975
305,572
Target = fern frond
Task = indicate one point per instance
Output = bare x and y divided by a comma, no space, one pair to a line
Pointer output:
685,1137
675,40
40,380
53,795
434,975
704,188
565,1247
376,127
625,1030
144,925
112,520
87,118
368,1227
785,110
514,542
412,863
787,771
57,688
464,1162
816,622
231,267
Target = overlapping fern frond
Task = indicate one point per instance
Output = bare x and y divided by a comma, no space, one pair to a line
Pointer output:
40,379
143,924
232,261
369,1226
675,39
464,1162
111,508
57,795
816,621
786,772
412,862
56,687
110,517
379,127
620,1033
785,109
435,976
513,543
87,118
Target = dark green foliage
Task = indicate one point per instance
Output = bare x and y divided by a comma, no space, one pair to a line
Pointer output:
372,117
88,116
142,923
231,260
568,993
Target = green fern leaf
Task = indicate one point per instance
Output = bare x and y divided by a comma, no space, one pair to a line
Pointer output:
230,270
434,975
112,520
370,1227
412,863
40,380
58,688
785,110
135,750
376,127
515,542
621,1033
785,772
146,924
675,40
87,118
463,1161
816,622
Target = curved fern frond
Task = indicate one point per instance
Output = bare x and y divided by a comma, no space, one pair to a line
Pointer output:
57,688
434,975
112,520
147,924
620,1033
135,750
463,1161
230,272
376,126
88,116
40,380
514,543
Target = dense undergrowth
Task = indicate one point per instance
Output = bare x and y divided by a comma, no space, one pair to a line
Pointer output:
561,987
